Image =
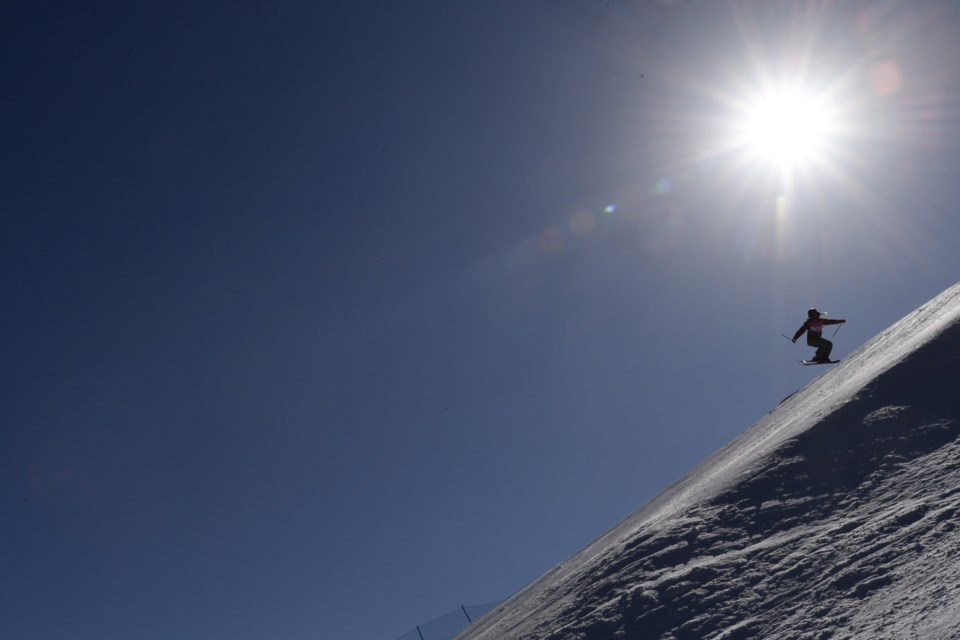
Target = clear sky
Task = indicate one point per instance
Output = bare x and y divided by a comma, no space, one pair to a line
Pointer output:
322,319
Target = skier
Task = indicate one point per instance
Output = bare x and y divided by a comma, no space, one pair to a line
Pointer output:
814,328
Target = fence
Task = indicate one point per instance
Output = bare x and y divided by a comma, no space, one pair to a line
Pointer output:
449,625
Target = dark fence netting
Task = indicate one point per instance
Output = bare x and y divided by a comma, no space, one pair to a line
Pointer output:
449,625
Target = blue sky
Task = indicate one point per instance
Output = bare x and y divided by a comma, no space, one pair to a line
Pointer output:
323,319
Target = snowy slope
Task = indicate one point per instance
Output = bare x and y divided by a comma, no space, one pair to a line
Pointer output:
835,516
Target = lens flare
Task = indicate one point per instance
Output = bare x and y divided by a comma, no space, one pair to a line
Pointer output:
582,223
551,240
886,78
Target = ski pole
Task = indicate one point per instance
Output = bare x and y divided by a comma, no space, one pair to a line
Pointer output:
838,328
787,337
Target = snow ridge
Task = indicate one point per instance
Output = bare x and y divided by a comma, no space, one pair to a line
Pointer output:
835,516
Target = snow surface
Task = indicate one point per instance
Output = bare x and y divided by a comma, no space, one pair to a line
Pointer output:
834,516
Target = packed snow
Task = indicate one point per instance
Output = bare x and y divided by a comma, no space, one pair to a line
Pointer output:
835,516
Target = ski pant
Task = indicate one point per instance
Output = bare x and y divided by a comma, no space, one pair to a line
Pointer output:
824,347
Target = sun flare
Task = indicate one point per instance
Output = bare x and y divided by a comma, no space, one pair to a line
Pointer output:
787,128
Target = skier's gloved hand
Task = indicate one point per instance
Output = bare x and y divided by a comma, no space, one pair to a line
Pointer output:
794,341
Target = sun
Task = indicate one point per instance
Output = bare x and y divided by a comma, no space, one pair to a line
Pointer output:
788,128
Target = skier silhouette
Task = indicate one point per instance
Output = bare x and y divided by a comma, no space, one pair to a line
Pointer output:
814,329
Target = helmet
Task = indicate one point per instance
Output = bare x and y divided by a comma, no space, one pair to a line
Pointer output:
813,313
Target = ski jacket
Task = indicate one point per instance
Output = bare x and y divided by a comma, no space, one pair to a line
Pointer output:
814,329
